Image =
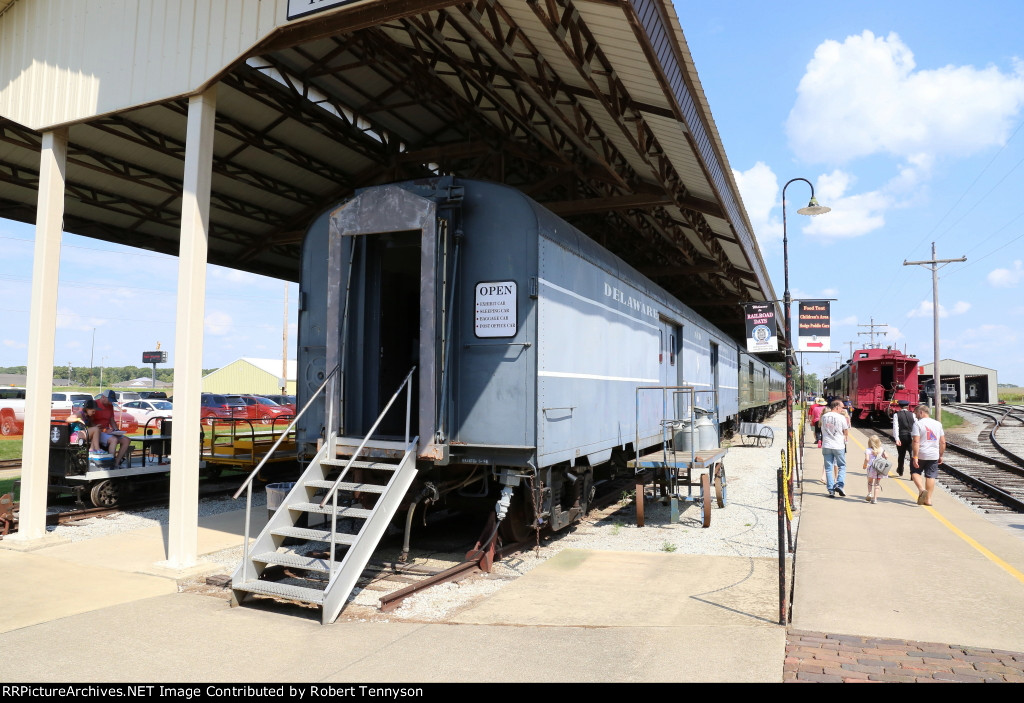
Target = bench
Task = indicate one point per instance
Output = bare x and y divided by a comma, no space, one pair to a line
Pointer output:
756,434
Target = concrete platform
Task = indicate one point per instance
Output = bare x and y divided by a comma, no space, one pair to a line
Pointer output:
872,583
895,569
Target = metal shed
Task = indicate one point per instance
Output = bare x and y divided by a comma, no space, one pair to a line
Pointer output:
973,384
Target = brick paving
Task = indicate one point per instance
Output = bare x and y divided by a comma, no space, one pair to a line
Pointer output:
828,658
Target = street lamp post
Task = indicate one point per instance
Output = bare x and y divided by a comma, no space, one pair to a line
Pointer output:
812,209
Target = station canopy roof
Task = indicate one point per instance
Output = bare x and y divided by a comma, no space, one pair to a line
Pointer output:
591,107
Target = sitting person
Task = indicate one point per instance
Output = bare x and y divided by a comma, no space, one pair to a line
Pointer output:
106,425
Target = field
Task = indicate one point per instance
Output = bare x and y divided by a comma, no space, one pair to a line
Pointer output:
1014,396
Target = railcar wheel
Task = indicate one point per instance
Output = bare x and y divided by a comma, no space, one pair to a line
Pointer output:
705,498
105,493
721,485
517,525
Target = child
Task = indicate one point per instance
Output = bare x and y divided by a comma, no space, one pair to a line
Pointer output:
874,451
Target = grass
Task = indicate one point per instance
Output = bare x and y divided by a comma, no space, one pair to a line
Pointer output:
7,486
10,448
950,419
668,547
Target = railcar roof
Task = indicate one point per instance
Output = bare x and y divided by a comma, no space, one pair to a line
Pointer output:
593,108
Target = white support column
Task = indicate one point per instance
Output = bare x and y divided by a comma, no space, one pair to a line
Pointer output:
183,527
41,334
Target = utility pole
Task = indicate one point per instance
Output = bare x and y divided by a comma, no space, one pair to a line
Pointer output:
284,345
851,349
872,332
936,375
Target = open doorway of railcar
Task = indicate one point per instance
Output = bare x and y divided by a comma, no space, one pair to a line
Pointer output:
383,332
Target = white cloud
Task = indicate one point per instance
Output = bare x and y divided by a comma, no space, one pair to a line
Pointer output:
984,337
1007,278
865,96
759,189
14,344
926,307
849,321
852,215
218,323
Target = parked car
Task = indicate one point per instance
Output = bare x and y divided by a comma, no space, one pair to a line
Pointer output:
149,411
287,401
124,396
251,407
152,395
213,406
268,409
62,402
12,410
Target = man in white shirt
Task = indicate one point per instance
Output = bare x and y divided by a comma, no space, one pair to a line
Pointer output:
929,446
835,430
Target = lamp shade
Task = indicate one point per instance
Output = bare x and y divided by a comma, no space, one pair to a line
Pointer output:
814,209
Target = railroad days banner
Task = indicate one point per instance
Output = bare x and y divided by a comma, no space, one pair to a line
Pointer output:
814,334
762,335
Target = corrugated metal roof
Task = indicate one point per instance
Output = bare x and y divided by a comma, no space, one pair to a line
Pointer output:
595,110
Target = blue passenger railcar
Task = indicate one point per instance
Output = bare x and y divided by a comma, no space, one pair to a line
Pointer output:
529,339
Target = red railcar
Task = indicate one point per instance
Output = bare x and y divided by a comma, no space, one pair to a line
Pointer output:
876,380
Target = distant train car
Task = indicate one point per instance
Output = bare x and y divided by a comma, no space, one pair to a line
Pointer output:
529,342
762,389
876,380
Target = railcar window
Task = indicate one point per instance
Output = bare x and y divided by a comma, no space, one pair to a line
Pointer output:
671,350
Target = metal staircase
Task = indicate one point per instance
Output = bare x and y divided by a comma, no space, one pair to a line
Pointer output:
321,501
330,522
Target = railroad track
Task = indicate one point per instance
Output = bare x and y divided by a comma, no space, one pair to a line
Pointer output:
979,474
208,489
394,581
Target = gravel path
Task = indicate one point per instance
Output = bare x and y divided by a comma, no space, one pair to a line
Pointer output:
746,527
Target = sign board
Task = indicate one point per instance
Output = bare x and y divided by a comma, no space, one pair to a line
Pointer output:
814,326
154,357
495,309
301,8
762,335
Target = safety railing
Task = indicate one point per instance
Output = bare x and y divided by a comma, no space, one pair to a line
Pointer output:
247,484
332,492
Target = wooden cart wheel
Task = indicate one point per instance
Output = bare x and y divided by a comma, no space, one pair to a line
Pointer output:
705,498
720,485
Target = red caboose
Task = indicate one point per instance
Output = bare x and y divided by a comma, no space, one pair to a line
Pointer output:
876,380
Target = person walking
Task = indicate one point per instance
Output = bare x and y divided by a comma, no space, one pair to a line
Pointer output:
835,431
873,453
814,414
928,448
902,423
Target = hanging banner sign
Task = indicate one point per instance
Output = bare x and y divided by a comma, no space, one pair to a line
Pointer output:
815,326
762,335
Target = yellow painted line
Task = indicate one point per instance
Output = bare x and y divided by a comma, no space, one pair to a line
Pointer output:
956,530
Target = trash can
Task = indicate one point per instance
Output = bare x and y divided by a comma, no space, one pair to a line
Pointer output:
276,493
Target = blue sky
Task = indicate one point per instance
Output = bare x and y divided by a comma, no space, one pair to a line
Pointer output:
906,116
